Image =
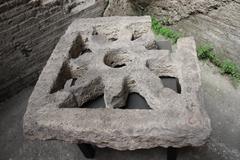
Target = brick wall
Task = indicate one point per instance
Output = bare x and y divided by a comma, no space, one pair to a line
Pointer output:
29,31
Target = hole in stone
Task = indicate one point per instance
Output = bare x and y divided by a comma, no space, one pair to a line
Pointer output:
136,101
85,50
172,153
116,59
152,46
112,39
135,36
26,52
119,65
160,44
87,149
63,76
95,103
172,83
73,81
164,45
78,47
94,32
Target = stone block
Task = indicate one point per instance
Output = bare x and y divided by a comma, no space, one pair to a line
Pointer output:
114,57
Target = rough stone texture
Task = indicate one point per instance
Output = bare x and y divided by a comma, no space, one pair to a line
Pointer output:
172,10
214,21
222,104
15,147
220,27
177,10
220,99
120,8
29,31
116,56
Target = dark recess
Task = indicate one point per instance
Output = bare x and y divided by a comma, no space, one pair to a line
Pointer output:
87,150
172,83
63,76
95,103
78,47
171,153
136,101
119,65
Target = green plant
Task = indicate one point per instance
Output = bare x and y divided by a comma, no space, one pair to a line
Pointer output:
159,29
231,68
215,60
156,26
206,52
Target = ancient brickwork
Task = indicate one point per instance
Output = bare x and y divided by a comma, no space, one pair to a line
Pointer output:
29,30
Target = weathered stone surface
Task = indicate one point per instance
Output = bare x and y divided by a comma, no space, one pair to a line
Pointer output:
214,21
220,27
172,10
177,10
222,105
120,8
221,102
111,56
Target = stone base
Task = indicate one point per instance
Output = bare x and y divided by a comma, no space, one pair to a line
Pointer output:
115,57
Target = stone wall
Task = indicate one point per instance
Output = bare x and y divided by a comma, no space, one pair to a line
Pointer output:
29,31
220,27
171,10
213,21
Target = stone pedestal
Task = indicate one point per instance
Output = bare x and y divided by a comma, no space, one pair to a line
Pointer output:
114,57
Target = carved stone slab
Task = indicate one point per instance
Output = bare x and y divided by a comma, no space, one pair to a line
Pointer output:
114,57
